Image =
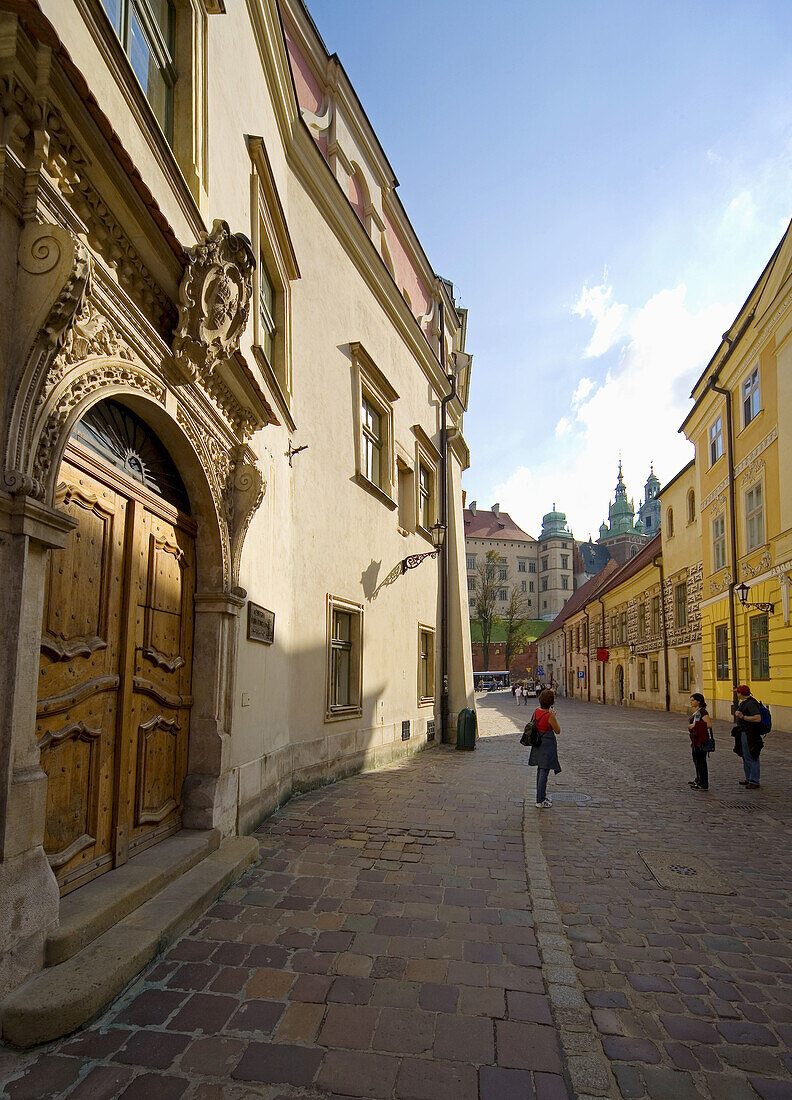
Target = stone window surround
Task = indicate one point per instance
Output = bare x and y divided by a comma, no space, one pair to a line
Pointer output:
370,383
428,456
426,700
354,709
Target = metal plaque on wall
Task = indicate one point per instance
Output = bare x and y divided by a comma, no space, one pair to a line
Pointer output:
261,624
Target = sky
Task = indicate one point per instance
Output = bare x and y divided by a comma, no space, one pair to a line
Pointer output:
603,183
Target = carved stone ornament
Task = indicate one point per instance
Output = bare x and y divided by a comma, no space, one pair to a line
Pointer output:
761,566
722,585
214,301
244,493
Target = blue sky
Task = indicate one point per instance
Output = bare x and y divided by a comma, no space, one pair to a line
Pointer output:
603,182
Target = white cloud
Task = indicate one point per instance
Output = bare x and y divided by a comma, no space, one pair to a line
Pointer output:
636,410
595,302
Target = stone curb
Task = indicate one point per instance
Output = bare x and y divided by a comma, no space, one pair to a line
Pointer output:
588,1069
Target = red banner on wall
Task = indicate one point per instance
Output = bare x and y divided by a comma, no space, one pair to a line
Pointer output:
602,654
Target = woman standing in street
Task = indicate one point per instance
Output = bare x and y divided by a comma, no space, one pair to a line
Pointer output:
700,730
544,756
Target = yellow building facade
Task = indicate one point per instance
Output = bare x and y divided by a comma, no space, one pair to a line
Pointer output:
741,427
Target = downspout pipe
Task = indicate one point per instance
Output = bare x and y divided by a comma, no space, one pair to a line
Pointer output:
588,658
444,510
732,531
602,605
566,670
658,563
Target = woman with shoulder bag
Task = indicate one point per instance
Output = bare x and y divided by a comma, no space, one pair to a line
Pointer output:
544,756
701,741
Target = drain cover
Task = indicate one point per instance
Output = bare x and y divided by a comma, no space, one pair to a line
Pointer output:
569,796
739,804
680,871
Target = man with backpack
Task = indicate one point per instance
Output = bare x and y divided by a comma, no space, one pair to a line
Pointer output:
748,743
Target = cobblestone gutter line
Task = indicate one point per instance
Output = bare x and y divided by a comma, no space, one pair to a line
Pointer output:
589,1070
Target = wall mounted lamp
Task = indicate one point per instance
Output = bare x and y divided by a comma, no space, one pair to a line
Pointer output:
742,591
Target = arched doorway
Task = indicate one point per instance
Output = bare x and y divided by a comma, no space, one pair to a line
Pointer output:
114,697
619,684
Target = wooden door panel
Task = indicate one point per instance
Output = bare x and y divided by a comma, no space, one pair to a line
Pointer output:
79,680
161,700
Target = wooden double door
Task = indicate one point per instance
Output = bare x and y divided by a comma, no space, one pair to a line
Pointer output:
114,698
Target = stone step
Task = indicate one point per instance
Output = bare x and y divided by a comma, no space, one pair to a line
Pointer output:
97,906
61,998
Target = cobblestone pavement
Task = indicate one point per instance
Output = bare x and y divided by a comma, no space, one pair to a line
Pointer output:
386,944
383,947
691,992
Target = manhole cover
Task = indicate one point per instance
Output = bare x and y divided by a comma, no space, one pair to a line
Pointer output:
684,872
569,796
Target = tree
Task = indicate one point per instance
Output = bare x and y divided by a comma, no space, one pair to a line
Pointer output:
517,622
485,599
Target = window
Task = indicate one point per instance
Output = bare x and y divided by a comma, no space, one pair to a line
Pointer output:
471,561
266,300
623,628
565,561
563,546
374,451
502,594
760,648
523,586
716,440
754,517
471,584
426,504
544,605
642,675
544,565
521,565
719,542
146,28
654,672
544,584
585,634
530,586
750,397
614,630
691,506
642,620
684,674
344,659
503,573
655,614
565,583
372,442
680,604
531,566
670,523
426,665
599,673
502,561
722,652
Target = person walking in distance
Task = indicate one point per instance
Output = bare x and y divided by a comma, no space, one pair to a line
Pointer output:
544,756
700,730
748,736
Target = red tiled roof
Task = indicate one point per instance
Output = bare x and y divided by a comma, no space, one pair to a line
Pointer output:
487,525
583,594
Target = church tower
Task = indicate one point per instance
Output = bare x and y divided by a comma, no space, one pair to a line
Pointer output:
650,509
621,534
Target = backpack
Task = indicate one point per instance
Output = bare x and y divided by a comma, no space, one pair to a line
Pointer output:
766,720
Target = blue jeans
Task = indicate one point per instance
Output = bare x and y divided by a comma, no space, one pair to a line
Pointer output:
750,765
541,783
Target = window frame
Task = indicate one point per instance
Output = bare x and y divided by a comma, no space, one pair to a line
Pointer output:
684,672
750,516
690,503
757,663
372,385
427,456
642,675
642,620
719,546
654,675
752,379
715,439
162,46
680,605
669,523
721,651
335,712
426,631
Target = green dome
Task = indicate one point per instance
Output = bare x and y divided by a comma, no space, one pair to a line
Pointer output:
554,523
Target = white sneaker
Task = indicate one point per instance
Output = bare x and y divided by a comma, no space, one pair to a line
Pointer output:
544,805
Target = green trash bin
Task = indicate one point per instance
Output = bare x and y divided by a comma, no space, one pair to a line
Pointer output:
466,729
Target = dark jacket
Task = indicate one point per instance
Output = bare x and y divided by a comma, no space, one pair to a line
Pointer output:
752,730
544,755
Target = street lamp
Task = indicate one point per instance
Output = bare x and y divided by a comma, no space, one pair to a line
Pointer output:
437,531
742,591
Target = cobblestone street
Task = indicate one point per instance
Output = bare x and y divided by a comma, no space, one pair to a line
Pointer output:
386,943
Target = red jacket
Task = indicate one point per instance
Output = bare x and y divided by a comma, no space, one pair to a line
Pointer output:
699,734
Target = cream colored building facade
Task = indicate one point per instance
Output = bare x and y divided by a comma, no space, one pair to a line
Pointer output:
490,529
226,363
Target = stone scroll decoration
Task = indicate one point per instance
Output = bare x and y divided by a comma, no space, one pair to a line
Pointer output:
76,349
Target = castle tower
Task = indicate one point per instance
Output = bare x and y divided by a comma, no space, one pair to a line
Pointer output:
556,565
649,511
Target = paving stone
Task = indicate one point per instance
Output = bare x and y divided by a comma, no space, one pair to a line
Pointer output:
164,1087
102,1083
402,1031
348,1026
49,1076
278,1063
625,1049
689,1030
527,1046
745,1032
420,1079
464,1039
496,1083
255,1017
269,984
669,1084
352,1073
629,1080
155,1049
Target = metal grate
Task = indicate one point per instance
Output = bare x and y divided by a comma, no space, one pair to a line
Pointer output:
406,730
738,804
430,730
